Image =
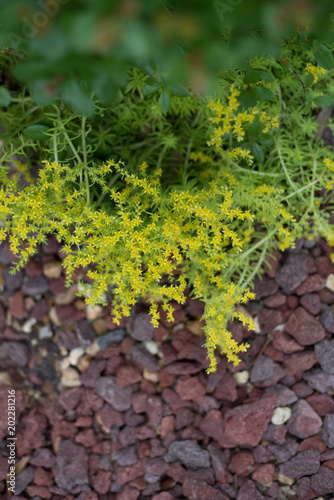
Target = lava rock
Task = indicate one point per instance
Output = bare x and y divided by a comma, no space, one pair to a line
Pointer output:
118,397
189,453
304,421
304,328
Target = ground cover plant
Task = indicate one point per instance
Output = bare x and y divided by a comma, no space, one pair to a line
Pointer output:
158,181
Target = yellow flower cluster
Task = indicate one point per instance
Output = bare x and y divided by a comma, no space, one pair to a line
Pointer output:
148,236
228,120
330,165
316,71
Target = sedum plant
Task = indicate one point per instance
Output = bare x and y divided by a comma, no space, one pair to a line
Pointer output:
152,201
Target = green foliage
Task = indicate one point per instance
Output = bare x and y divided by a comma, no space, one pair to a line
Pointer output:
152,186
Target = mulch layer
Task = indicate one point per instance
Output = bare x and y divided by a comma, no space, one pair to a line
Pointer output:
128,412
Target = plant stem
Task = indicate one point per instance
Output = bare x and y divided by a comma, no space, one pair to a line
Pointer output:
110,184
55,151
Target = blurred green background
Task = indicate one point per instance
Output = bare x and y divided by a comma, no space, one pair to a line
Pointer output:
83,49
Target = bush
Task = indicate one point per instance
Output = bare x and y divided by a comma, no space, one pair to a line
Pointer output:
166,189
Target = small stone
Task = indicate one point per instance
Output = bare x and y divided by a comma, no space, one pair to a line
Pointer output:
304,327
312,443
304,421
313,283
265,372
281,415
93,312
93,349
45,333
52,269
150,376
75,355
23,479
151,346
284,395
304,464
248,491
324,352
35,285
27,326
330,282
118,397
323,481
264,474
311,303
85,333
190,388
195,489
292,273
189,453
283,479
284,343
285,450
328,431
246,424
299,362
67,297
141,327
143,357
70,378
72,465
242,463
241,377
16,351
322,404
127,456
327,318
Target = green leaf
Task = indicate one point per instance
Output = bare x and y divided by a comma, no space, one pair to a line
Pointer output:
178,89
149,89
307,109
263,93
309,95
5,97
308,80
267,77
252,76
164,100
36,132
248,98
324,57
257,152
77,98
315,45
265,139
323,101
254,128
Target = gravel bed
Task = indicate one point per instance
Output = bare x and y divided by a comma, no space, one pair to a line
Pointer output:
127,412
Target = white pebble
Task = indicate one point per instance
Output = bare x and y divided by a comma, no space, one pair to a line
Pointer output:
27,327
75,355
257,328
281,415
151,347
241,377
330,282
45,333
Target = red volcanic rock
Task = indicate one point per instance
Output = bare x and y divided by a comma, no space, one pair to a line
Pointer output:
284,343
242,463
190,388
264,473
304,421
247,423
313,283
304,328
322,404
